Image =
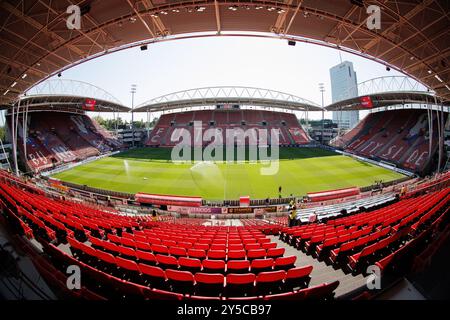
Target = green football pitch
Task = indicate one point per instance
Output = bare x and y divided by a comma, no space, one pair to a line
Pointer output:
301,170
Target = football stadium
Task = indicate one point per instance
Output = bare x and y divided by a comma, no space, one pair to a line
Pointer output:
224,193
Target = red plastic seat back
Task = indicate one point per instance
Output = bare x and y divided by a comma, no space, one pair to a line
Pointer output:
152,271
209,278
261,263
238,265
158,248
244,278
216,254
145,256
177,251
177,275
275,252
285,261
166,260
189,262
299,272
196,253
127,264
256,253
213,264
236,254
271,276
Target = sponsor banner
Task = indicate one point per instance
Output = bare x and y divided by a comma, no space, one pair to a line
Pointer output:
244,201
168,200
240,210
89,104
59,186
185,210
265,210
366,102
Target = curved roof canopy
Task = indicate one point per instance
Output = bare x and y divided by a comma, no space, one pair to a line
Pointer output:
227,95
385,99
37,43
384,92
68,95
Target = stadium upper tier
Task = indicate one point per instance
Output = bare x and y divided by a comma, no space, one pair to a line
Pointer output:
55,138
403,137
168,129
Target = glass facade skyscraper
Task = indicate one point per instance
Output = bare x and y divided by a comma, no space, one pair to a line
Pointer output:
343,86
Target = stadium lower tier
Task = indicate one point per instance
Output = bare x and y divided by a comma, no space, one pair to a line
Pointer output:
402,137
359,240
136,257
170,127
55,138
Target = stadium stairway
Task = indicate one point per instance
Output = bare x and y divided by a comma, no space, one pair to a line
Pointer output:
323,273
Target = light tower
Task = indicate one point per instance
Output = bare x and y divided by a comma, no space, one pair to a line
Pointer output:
133,91
322,90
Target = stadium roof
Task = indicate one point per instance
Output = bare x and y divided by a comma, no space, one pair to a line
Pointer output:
384,92
66,102
68,95
35,41
211,96
385,99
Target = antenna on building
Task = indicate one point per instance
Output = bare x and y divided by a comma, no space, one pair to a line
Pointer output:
340,56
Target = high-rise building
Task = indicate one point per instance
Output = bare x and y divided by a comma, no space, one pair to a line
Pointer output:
344,86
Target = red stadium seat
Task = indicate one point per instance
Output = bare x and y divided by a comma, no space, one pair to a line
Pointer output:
108,261
146,257
238,266
201,246
196,253
256,254
130,269
269,245
285,263
236,254
321,292
275,252
260,265
180,281
177,251
190,264
217,254
216,266
167,261
186,245
232,247
169,243
154,276
252,246
143,246
209,284
127,252
128,242
114,238
238,285
218,247
158,248
270,282
298,277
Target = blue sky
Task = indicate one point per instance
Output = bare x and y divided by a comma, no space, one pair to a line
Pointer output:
220,61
